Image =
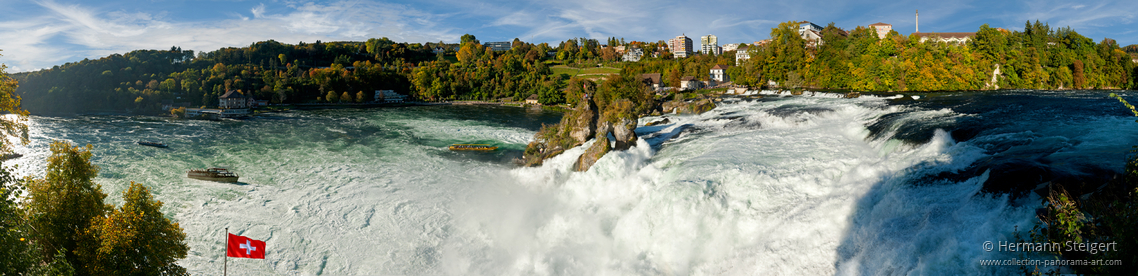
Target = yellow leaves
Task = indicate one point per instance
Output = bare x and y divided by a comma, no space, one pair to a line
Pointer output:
136,236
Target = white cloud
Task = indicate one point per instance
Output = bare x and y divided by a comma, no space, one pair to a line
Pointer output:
259,11
73,32
52,33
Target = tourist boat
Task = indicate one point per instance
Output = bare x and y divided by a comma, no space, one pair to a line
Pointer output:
478,147
152,144
213,174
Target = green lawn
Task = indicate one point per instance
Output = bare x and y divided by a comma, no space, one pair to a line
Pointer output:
562,70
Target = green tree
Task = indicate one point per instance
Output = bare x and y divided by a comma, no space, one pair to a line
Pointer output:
469,38
61,206
136,239
17,252
11,126
331,97
346,97
359,97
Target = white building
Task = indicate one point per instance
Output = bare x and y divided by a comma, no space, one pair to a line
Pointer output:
741,54
730,47
719,73
235,100
951,38
805,26
810,32
690,83
388,96
709,45
633,55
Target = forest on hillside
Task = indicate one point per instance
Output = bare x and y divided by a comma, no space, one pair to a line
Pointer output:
1039,57
269,70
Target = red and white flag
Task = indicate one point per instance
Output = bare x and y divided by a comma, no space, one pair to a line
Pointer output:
244,247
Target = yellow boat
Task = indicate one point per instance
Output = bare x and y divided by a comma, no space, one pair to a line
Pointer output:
479,147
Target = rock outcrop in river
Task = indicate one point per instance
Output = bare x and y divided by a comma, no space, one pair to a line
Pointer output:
587,121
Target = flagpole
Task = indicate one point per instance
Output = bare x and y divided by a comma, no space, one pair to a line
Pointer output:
225,264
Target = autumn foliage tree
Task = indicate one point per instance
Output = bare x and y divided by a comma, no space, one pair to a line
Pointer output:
62,205
136,239
65,209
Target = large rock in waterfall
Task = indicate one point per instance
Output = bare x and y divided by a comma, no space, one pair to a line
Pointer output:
599,148
618,118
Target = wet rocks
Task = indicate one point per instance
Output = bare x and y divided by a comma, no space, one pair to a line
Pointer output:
583,123
591,155
658,122
618,118
685,107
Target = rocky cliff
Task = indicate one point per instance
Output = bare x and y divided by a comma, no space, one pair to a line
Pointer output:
587,121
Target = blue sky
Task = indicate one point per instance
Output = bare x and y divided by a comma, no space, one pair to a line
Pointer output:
41,34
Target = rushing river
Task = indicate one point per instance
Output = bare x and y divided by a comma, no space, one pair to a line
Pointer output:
791,185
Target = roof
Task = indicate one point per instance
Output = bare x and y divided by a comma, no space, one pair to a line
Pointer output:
652,78
720,67
880,24
532,97
687,78
946,35
232,94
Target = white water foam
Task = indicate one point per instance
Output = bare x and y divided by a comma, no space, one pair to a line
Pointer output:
789,187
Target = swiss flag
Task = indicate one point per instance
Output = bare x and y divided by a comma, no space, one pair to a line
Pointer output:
244,247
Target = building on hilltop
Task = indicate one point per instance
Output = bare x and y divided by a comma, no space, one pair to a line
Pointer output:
950,38
681,46
719,73
741,54
500,46
810,32
709,45
633,55
882,29
730,47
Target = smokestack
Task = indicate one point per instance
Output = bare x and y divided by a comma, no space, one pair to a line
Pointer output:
918,21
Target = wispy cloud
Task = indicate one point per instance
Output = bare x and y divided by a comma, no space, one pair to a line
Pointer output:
40,34
66,32
1082,16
